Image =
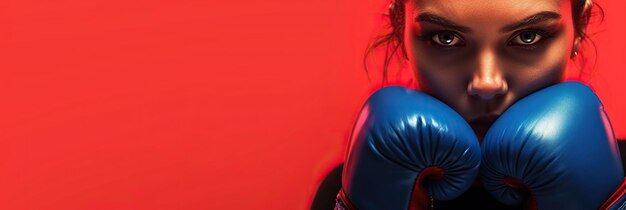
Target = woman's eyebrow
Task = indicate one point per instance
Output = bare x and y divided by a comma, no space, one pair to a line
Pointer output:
432,18
530,20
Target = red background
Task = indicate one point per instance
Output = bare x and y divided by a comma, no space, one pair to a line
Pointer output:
195,104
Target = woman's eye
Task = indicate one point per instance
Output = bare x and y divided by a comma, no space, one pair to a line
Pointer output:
447,39
526,38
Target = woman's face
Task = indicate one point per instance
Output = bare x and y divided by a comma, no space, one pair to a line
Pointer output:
480,56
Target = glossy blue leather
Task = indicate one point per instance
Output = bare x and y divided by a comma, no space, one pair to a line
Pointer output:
399,133
560,144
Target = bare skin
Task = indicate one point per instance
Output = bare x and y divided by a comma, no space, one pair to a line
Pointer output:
480,56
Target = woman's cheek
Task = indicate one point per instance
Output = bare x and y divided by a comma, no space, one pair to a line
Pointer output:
528,71
445,84
525,80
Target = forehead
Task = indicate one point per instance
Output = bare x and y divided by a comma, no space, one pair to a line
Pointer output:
489,10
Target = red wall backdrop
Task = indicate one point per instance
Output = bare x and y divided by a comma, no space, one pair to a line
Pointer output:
194,104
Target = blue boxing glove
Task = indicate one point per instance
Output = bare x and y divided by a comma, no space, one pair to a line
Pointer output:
554,149
406,149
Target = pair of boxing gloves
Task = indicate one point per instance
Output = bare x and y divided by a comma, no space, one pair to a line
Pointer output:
554,149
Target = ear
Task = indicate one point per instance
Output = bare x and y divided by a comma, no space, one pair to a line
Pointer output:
583,30
576,46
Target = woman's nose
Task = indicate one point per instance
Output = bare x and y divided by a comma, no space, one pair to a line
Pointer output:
488,80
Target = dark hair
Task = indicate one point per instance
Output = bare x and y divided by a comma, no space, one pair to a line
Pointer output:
393,39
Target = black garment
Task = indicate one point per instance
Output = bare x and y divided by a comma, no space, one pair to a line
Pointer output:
475,197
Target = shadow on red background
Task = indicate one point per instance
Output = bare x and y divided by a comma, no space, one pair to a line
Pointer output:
194,104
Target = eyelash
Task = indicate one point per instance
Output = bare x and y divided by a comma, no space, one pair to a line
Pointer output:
428,37
545,35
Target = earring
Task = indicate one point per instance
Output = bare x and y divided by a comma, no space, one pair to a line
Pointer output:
588,4
575,54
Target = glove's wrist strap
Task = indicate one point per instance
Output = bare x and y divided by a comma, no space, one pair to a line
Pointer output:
617,199
420,199
342,202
